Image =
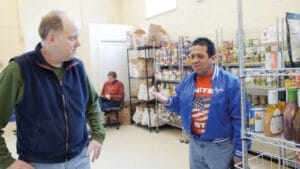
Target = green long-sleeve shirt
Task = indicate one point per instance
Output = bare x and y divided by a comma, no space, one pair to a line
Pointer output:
11,93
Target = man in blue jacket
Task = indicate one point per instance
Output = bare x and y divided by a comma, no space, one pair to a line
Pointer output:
208,101
53,99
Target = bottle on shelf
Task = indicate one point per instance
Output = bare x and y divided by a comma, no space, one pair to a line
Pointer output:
281,99
289,113
262,101
296,122
273,116
296,128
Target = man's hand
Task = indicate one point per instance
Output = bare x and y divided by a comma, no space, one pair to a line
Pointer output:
160,95
19,164
94,146
107,96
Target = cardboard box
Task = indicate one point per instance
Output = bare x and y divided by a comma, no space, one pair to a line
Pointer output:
154,35
125,116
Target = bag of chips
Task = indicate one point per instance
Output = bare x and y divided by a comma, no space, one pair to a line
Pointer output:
293,39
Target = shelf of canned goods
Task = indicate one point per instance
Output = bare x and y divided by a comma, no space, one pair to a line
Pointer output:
271,72
259,90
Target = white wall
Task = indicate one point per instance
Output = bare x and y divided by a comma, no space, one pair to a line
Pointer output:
85,11
101,11
203,17
11,40
32,11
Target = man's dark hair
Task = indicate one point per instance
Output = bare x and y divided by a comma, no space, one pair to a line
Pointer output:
112,73
211,51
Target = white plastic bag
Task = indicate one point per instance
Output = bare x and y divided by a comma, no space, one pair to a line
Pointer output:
138,115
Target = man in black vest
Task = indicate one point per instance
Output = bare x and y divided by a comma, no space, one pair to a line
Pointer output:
53,99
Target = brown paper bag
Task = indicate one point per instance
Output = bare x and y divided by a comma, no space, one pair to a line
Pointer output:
154,35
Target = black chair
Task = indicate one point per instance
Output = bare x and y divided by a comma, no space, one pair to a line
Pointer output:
111,108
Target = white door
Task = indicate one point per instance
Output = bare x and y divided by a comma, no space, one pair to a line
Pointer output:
113,58
108,48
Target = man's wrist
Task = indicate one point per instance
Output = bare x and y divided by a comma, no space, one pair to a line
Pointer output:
168,102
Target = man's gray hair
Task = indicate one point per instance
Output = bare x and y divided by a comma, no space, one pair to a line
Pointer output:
51,22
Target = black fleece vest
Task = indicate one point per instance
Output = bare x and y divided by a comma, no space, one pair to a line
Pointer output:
51,124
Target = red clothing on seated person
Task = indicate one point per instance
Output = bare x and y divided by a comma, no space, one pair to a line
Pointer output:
115,89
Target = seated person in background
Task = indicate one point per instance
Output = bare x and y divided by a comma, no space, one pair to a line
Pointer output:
112,92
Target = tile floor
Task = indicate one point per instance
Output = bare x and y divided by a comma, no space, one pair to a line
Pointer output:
134,147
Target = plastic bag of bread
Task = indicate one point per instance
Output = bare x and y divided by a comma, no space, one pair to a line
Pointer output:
139,38
145,94
137,67
164,38
138,115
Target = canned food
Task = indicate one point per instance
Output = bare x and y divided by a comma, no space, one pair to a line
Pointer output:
264,81
269,81
274,81
255,100
251,120
258,116
262,100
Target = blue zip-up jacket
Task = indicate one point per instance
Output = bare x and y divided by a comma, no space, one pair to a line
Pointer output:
224,117
51,116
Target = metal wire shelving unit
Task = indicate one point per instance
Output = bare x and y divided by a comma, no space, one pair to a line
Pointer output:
164,115
283,159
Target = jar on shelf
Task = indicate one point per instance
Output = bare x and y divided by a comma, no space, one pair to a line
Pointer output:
269,81
263,81
255,80
274,81
297,79
290,82
249,80
255,100
262,100
273,116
